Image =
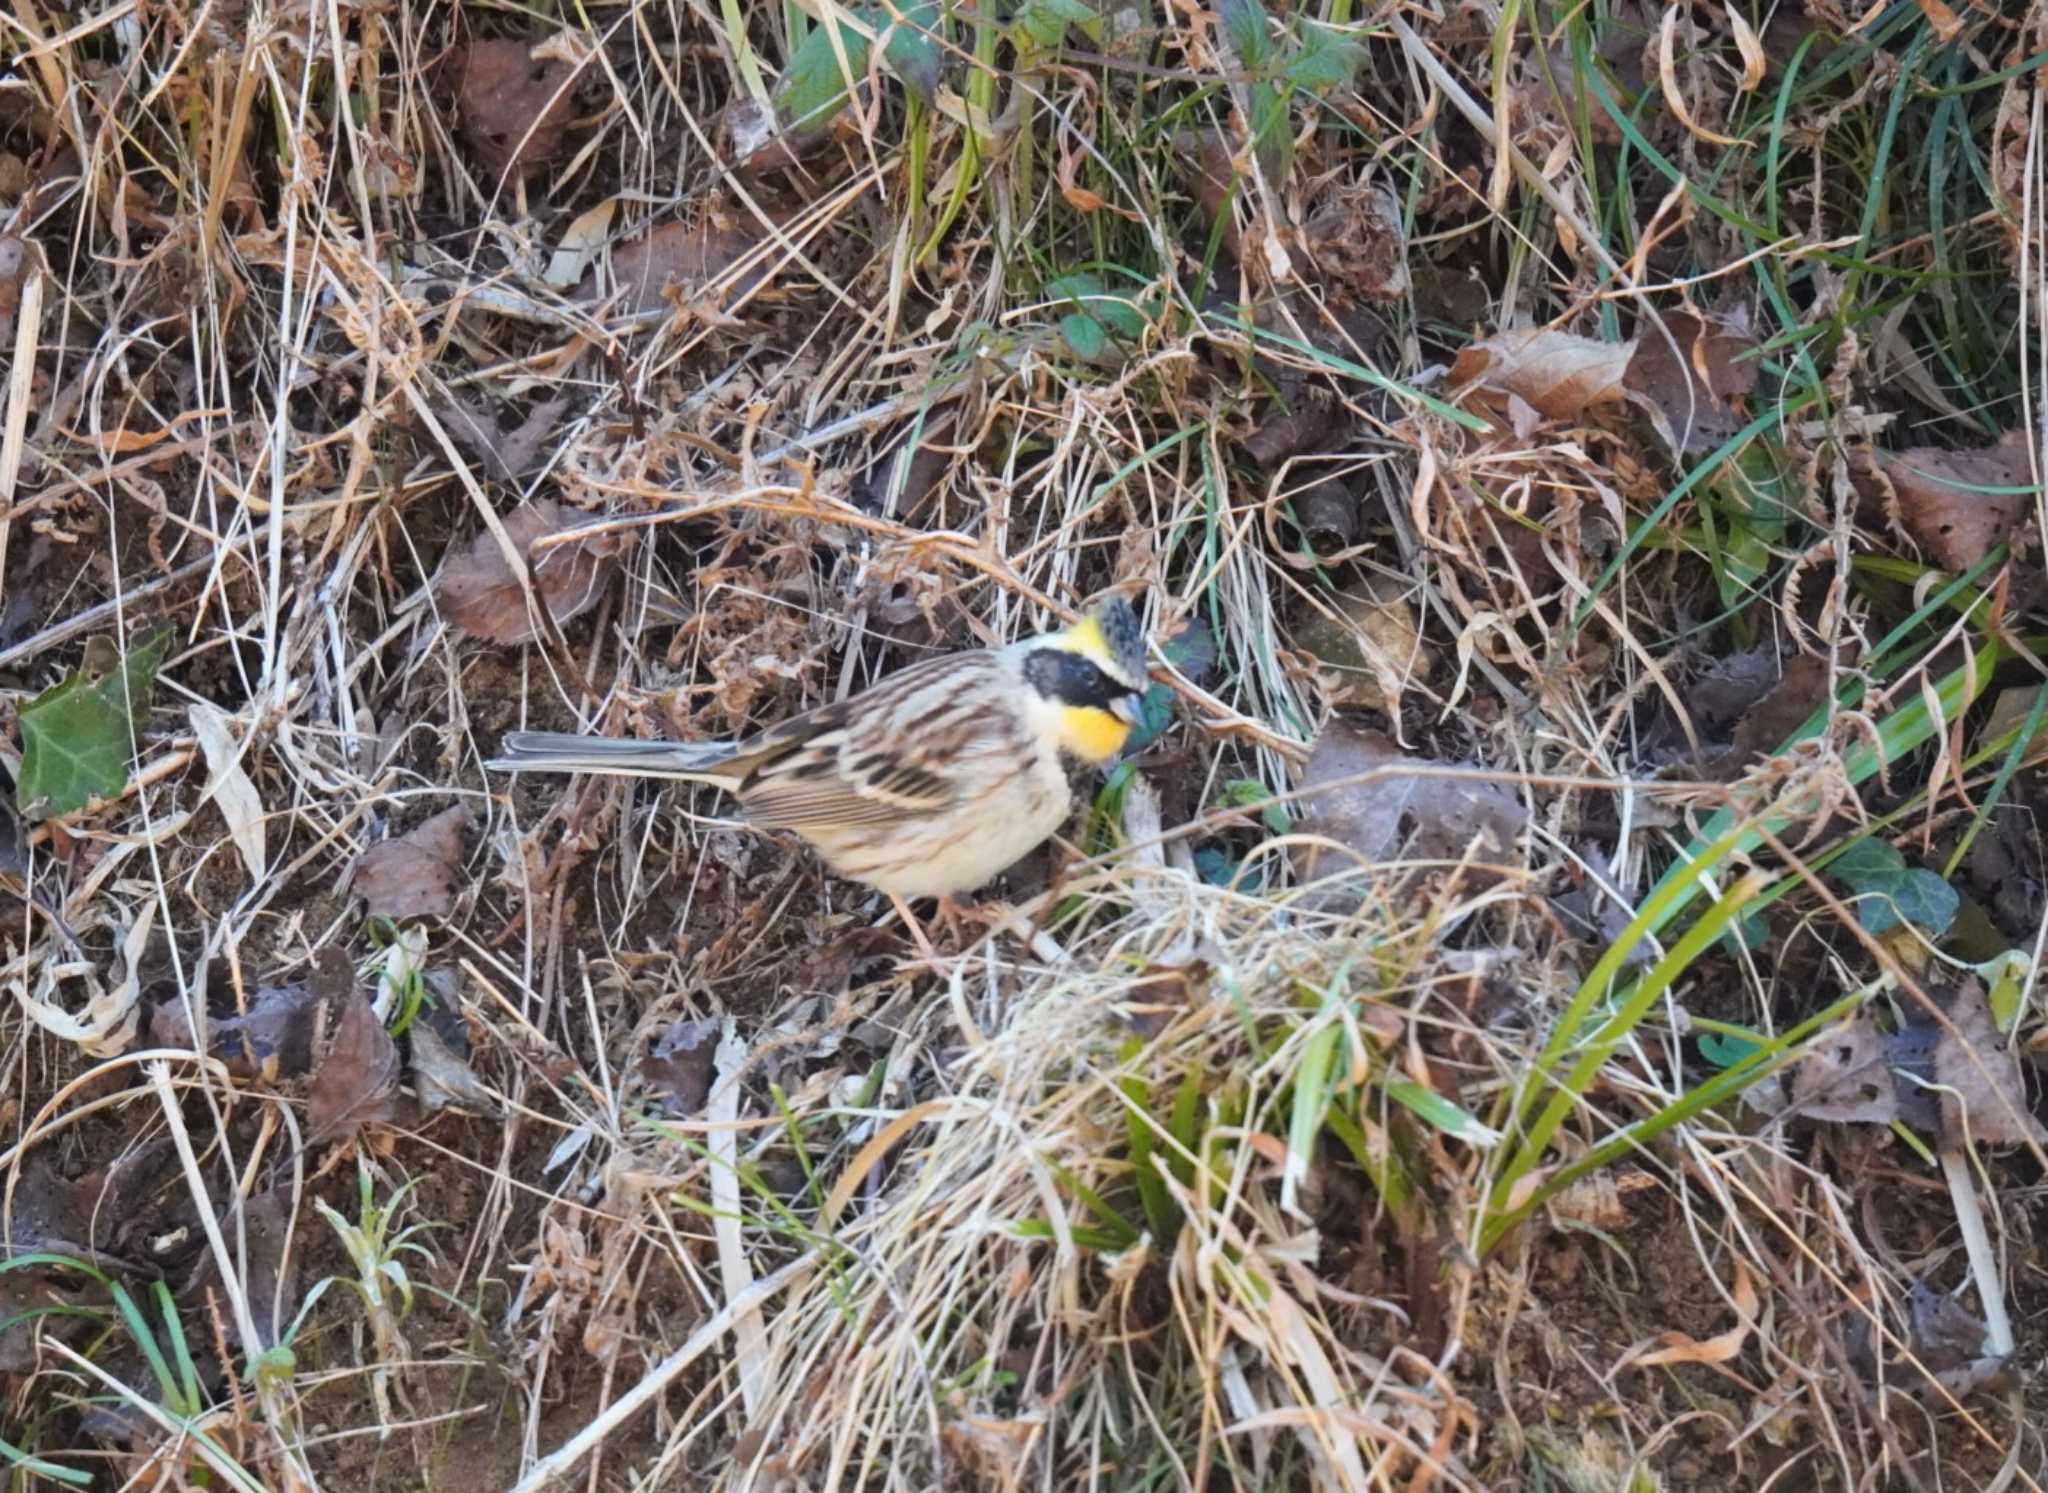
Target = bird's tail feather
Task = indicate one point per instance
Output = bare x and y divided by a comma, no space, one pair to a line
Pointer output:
558,751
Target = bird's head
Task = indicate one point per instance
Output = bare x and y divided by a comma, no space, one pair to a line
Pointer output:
1092,676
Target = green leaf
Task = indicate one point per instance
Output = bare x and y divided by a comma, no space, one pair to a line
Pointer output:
1725,1049
1154,716
78,737
1272,132
1326,60
1244,26
1241,793
1886,889
814,85
1101,317
1044,22
1438,1111
912,48
1925,899
1867,861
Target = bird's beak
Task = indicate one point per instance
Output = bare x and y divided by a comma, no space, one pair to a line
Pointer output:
1130,709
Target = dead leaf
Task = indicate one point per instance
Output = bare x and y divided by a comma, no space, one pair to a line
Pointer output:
1953,1075
415,875
356,1083
1400,813
269,1274
441,1072
1960,505
1688,391
1310,419
1366,640
229,789
678,261
1208,171
1799,692
1846,1076
477,591
1358,239
514,107
1559,375
679,1066
1983,1095
273,1039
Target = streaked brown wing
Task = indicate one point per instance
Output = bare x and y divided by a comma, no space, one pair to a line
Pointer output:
879,758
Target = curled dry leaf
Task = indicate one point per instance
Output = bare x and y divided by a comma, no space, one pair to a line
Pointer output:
1558,374
1683,1347
477,591
1357,238
1397,812
356,1083
1208,171
1960,505
415,875
513,106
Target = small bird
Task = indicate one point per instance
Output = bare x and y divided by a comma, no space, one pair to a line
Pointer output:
930,782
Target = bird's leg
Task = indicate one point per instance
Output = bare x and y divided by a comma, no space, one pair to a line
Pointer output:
915,928
958,917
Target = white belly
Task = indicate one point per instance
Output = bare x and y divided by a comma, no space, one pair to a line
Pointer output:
961,851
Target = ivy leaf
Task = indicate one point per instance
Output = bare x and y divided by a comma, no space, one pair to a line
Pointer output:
1887,890
814,84
1102,317
78,737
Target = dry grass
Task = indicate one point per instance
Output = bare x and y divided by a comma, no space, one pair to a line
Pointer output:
1199,1175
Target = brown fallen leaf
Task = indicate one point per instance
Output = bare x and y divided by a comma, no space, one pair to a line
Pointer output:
1953,1075
1357,238
1558,374
514,108
477,591
1368,643
272,1040
1207,166
1688,390
679,1066
1846,1076
1960,505
356,1083
440,1069
1398,813
678,261
269,1273
417,874
1983,1095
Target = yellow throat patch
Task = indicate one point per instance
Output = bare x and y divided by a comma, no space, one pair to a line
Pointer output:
1092,734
